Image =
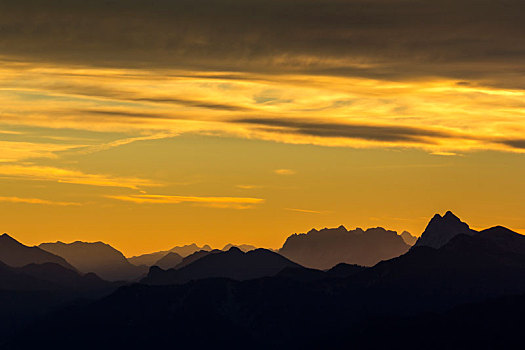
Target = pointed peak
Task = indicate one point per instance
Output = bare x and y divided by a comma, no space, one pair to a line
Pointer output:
442,229
341,227
6,238
450,216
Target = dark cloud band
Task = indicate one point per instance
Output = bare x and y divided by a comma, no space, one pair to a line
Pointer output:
387,39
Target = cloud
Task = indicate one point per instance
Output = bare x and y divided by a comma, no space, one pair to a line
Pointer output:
382,133
517,143
386,39
304,211
284,172
248,187
61,175
218,202
19,150
36,201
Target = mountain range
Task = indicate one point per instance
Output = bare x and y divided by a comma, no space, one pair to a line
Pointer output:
452,289
234,264
15,254
325,248
97,257
152,258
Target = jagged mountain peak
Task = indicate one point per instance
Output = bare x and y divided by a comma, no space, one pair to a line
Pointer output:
441,229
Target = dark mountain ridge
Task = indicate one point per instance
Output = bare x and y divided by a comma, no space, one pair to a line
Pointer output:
234,264
151,258
442,229
96,257
16,254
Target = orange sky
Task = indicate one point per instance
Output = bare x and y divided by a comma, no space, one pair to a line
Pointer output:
166,126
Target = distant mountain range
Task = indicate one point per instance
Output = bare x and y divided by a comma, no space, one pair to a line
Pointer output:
15,254
411,301
326,248
439,293
152,258
97,257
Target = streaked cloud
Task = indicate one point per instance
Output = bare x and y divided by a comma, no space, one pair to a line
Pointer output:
36,201
308,211
61,175
217,202
17,151
284,171
248,187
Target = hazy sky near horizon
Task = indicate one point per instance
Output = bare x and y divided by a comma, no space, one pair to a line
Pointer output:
148,124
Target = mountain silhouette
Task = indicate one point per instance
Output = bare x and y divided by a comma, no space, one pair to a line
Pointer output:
244,247
15,254
470,292
408,238
195,256
97,257
147,259
328,247
442,229
47,276
343,270
188,249
30,292
151,259
169,261
234,264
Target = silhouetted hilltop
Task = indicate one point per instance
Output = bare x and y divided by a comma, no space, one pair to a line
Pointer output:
188,249
244,247
442,229
147,259
152,258
328,247
97,257
194,257
234,264
343,270
467,268
15,254
408,238
169,261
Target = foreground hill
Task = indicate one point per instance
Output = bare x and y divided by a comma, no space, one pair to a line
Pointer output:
15,254
97,257
234,264
328,247
29,292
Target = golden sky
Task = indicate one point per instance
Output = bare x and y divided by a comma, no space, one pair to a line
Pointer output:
150,126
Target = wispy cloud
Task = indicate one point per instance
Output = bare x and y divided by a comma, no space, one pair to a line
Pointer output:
36,201
248,187
304,210
284,172
17,151
61,175
218,202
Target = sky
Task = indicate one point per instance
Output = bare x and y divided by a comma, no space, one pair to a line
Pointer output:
149,124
